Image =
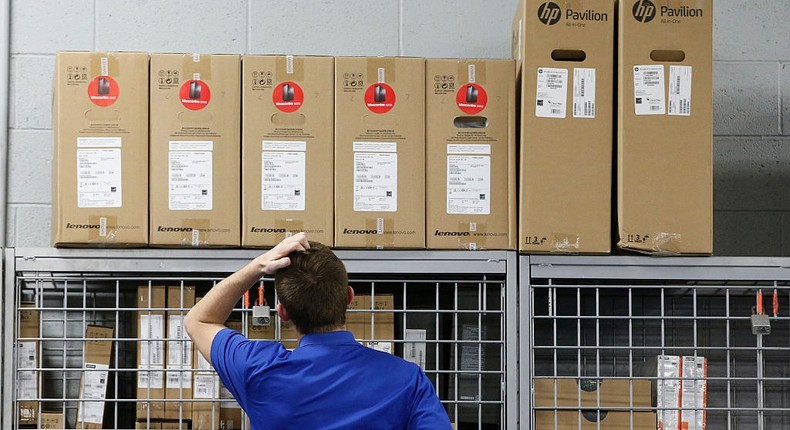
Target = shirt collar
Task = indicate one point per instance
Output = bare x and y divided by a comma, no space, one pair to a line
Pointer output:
331,338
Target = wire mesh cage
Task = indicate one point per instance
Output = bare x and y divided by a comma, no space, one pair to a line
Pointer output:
611,336
98,340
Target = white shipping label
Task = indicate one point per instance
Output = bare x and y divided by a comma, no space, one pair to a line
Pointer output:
26,359
152,327
375,182
283,180
583,93
190,180
179,354
99,178
469,184
99,142
206,386
94,387
150,376
469,149
380,346
680,90
552,94
414,346
649,90
668,391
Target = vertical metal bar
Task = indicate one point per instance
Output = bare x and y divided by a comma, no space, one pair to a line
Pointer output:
117,347
631,354
9,336
727,352
480,301
456,339
511,296
525,326
436,344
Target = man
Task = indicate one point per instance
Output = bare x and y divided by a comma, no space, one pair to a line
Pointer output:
329,381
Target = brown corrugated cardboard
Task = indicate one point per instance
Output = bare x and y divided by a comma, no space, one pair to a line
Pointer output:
287,148
93,384
175,425
205,414
665,127
195,164
151,352
100,160
611,393
148,425
178,384
379,152
380,326
28,356
52,420
357,321
470,154
566,59
587,420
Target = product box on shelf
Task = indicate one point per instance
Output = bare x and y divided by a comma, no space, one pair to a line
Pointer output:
52,420
379,152
100,159
287,148
178,377
470,137
151,329
565,60
665,127
591,420
29,357
195,162
610,392
93,383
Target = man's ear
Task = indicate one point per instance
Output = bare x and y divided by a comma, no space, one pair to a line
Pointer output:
282,312
350,295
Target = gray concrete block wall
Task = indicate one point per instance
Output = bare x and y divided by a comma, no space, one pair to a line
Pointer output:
751,81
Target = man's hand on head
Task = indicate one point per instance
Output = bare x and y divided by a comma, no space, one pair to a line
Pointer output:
277,257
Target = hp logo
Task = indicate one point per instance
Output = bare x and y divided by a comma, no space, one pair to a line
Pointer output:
644,10
549,13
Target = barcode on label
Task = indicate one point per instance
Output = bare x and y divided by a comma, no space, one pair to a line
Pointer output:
556,111
581,87
677,85
655,107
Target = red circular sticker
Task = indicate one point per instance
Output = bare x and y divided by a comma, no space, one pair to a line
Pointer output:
380,98
471,98
288,96
103,91
195,95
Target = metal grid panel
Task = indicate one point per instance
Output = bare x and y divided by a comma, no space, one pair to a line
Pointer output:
458,309
608,318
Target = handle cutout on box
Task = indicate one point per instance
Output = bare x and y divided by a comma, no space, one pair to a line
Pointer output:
576,55
667,55
470,122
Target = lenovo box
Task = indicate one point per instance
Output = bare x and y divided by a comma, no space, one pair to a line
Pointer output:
28,357
93,384
665,127
178,380
287,149
470,161
611,393
565,55
100,160
195,150
379,152
52,420
205,411
592,420
151,352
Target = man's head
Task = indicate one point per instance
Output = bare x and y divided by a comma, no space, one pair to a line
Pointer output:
314,290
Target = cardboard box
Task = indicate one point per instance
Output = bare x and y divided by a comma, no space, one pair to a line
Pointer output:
100,160
379,152
668,391
470,136
176,425
610,392
287,148
379,325
148,425
151,329
93,383
195,177
694,398
588,420
665,127
28,357
356,319
565,60
178,378
52,420
205,413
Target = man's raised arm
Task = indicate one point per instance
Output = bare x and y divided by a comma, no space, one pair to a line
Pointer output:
208,317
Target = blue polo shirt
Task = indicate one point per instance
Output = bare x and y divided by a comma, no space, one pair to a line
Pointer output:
329,382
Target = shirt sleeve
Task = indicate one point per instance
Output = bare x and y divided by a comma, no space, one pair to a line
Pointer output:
427,411
232,355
